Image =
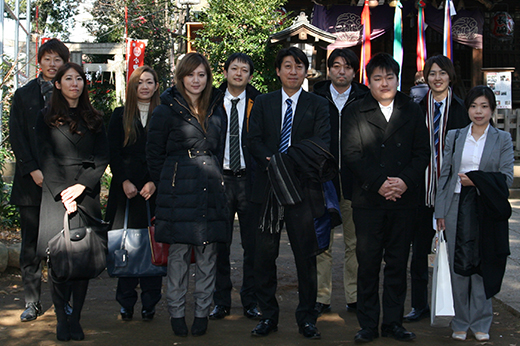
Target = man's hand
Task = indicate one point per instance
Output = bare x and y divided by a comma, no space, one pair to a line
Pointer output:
129,189
148,190
392,188
441,225
37,176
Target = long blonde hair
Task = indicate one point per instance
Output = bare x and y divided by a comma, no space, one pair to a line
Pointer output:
131,112
186,66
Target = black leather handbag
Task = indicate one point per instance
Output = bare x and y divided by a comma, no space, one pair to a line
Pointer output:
78,253
130,251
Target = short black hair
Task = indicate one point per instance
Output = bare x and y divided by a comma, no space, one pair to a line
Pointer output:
385,62
350,58
444,63
55,46
481,90
298,55
242,57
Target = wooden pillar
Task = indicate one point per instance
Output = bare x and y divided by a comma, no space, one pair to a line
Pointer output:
476,68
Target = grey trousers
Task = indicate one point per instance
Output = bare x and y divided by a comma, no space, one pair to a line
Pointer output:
472,309
179,260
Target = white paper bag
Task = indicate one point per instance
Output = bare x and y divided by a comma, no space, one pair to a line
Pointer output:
442,310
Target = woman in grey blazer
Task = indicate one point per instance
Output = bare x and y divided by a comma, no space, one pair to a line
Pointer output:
478,146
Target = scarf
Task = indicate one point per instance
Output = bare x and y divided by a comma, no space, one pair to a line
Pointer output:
45,88
433,170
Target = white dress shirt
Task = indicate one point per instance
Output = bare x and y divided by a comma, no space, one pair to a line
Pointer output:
387,110
339,99
471,154
241,108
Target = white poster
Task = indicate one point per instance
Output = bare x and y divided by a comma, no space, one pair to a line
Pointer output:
500,83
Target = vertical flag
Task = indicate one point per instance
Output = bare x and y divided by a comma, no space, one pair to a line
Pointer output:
449,11
421,42
398,38
365,46
134,55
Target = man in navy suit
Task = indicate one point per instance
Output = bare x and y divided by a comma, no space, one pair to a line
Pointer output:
280,119
239,97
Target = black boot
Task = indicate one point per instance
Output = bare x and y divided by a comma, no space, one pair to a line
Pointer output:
179,326
79,292
199,327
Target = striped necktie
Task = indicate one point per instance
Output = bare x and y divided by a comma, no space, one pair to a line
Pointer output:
234,143
286,128
436,125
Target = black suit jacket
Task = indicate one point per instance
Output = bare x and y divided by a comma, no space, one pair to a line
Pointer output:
376,149
357,92
251,94
310,120
27,103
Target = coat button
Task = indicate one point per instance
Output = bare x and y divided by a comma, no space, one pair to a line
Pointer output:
382,145
204,189
382,165
204,162
203,215
398,145
399,163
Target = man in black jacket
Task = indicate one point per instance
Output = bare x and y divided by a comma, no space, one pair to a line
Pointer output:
278,120
385,143
340,91
28,179
238,101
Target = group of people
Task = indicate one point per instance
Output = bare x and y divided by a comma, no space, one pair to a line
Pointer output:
197,155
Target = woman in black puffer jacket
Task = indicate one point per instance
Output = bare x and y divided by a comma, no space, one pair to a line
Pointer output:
184,152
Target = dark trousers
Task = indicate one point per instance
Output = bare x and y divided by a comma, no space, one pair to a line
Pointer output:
61,294
126,294
30,263
382,234
237,203
421,247
300,229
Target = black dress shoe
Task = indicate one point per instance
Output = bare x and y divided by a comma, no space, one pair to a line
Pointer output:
352,307
31,312
264,327
310,331
147,315
253,313
127,314
321,308
417,314
365,335
200,326
219,312
179,326
63,330
397,331
76,331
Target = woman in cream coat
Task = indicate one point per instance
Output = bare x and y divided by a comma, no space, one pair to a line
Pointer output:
478,146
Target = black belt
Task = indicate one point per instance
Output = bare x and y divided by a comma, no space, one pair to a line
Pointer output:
238,174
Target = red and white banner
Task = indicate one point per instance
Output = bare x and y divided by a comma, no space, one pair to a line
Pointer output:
134,55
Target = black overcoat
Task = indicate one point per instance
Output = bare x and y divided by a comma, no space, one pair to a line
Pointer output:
127,163
67,159
376,149
27,103
185,162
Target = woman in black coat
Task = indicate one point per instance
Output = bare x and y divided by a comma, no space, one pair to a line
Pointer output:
131,181
184,152
73,154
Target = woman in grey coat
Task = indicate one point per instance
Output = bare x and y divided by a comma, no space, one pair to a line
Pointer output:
477,147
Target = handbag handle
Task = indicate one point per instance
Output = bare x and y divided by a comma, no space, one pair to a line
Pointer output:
125,225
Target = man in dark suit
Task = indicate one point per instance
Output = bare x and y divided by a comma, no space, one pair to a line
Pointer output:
28,178
385,143
280,119
239,98
340,91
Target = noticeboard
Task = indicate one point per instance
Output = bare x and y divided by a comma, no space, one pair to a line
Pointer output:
499,80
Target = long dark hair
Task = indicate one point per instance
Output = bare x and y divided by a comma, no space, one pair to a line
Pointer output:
58,112
186,66
131,112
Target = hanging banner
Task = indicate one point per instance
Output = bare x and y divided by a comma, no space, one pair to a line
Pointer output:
366,48
449,11
421,42
134,55
398,38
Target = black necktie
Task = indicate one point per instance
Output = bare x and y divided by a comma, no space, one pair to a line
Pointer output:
234,143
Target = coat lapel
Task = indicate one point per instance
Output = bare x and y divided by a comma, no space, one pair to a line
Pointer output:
398,118
74,138
487,157
276,111
301,108
459,146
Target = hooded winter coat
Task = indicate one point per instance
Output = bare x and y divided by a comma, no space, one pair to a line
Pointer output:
185,163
